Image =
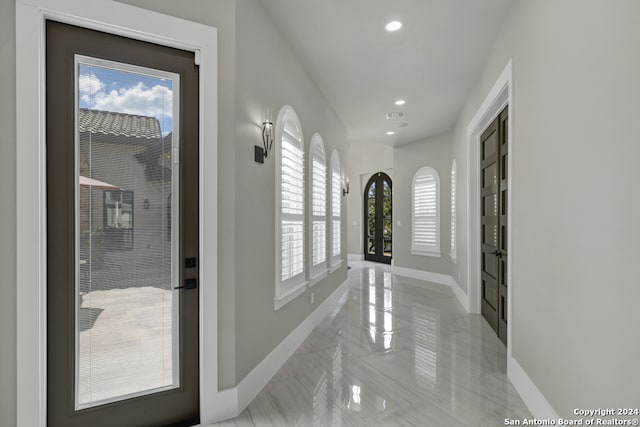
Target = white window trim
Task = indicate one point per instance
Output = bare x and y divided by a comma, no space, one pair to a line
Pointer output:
287,290
421,249
319,271
335,261
454,211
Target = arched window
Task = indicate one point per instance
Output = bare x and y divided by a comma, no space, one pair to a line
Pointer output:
318,211
453,210
425,213
290,242
336,210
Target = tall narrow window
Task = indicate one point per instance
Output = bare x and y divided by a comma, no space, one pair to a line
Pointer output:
425,232
336,210
318,211
290,279
453,210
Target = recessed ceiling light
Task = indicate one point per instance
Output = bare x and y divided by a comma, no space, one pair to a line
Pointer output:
400,102
393,26
390,132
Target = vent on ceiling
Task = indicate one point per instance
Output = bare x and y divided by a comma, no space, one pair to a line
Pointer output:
394,115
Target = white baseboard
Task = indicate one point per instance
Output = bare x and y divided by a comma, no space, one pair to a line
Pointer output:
355,257
538,405
234,400
442,279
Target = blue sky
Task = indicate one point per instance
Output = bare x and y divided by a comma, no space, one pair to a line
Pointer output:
125,92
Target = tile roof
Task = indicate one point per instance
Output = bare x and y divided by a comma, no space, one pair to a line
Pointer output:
119,124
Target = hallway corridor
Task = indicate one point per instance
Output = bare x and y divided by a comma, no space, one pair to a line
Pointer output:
399,352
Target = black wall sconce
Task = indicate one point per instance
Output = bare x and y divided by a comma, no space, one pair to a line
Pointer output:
345,187
146,204
260,153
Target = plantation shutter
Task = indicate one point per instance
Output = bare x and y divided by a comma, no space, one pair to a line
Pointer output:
453,210
292,204
319,204
425,211
336,208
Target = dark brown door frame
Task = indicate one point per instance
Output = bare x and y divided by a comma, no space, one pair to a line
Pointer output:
63,43
378,178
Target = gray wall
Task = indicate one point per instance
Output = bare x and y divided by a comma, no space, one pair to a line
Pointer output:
363,159
269,76
575,206
407,160
7,215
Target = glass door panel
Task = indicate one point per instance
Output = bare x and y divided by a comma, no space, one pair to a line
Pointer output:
127,318
386,218
378,217
371,220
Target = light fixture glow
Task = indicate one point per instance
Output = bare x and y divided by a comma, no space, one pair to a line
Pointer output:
390,132
393,26
400,102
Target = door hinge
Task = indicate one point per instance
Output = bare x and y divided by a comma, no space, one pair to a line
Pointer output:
196,57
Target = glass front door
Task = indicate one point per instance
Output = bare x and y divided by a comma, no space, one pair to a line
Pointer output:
378,204
122,231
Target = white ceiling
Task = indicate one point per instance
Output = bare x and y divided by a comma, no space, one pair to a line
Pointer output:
432,62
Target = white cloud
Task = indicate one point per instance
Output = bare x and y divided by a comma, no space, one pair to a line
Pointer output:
139,99
89,85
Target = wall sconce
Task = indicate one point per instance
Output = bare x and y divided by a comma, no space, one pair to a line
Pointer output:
146,203
345,186
260,153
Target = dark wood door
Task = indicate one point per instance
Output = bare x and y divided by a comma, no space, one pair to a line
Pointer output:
494,193
122,313
378,210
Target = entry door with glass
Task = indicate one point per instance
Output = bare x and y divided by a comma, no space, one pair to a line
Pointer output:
122,231
378,219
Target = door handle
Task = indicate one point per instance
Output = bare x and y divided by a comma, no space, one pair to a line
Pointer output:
188,284
497,253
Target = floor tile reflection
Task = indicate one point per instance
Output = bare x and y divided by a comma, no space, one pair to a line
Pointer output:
400,352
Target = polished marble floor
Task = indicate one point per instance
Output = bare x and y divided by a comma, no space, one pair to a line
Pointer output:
399,352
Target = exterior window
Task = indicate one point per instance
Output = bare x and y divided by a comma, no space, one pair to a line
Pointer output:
336,210
318,211
453,210
425,230
290,241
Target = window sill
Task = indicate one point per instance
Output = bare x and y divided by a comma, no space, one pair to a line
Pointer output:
426,253
334,268
287,297
318,277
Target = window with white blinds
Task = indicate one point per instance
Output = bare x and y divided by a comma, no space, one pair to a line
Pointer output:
453,210
290,239
425,233
318,211
336,209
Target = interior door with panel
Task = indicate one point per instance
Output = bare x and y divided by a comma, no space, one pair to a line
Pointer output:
494,189
122,231
378,213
